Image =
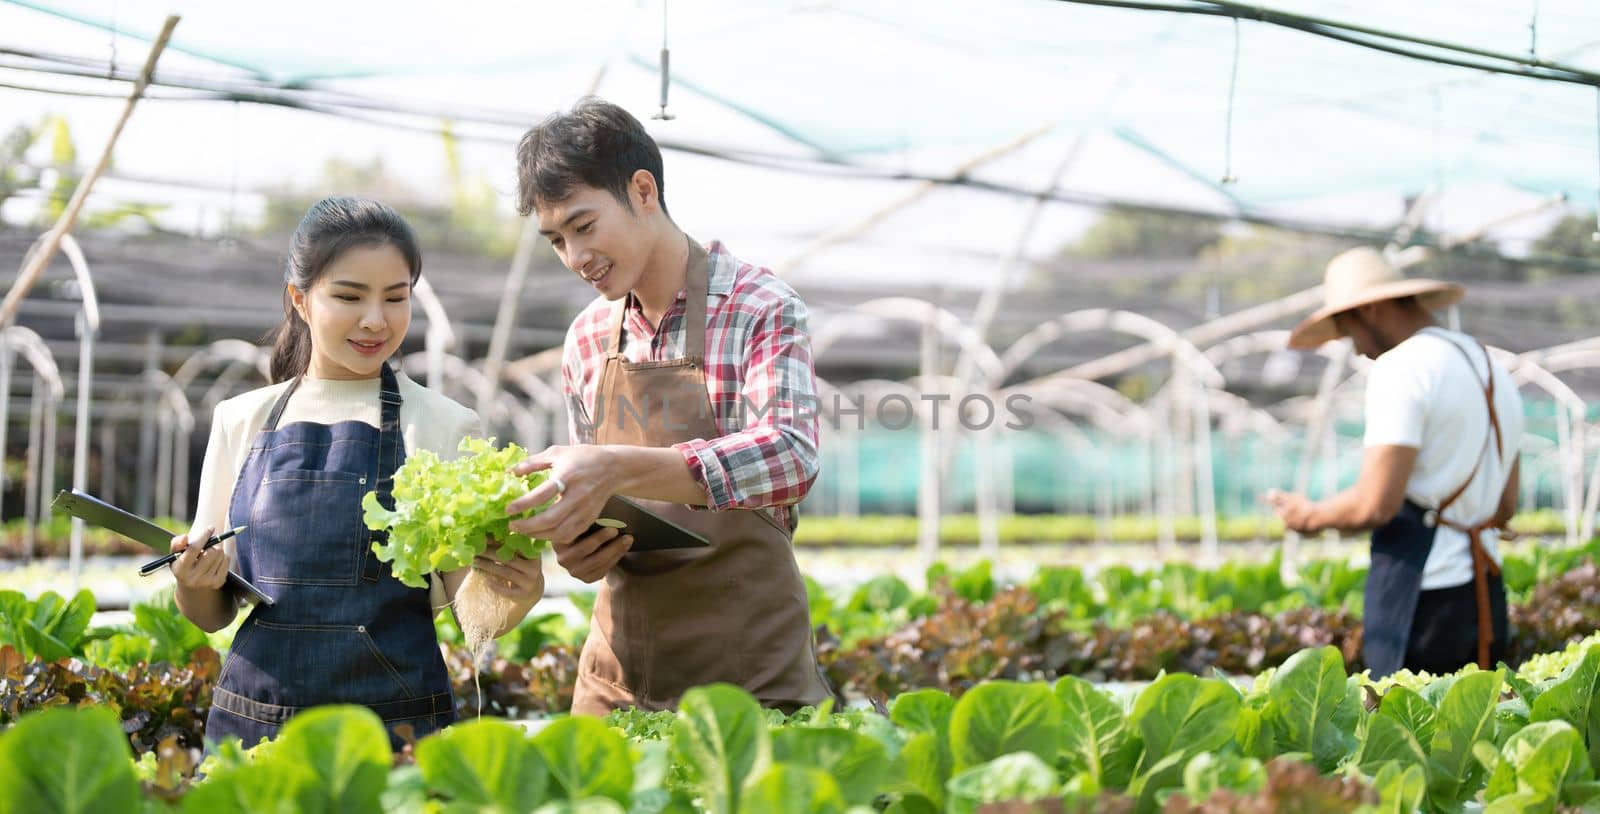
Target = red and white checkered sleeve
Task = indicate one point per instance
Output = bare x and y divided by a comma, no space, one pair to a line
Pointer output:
773,459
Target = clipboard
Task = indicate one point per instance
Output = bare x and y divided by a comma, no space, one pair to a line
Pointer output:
651,531
95,511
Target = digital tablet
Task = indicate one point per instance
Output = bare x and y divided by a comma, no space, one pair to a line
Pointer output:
651,531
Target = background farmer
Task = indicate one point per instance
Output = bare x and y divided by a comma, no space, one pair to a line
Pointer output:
1439,474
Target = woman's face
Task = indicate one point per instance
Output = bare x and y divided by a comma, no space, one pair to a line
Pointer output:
358,310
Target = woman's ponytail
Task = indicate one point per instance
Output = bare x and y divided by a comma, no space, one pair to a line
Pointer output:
291,344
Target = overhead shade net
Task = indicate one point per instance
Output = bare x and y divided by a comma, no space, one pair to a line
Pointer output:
1167,109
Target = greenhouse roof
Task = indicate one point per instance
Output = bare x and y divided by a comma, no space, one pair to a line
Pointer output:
922,89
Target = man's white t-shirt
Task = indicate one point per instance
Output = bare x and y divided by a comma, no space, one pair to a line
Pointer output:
1423,394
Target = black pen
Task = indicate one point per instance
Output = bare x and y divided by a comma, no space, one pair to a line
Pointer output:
153,565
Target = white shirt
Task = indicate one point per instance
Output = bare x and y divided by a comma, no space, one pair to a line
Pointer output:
428,420
1423,394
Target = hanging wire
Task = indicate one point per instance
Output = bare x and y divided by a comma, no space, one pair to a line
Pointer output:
1227,133
86,94
1596,235
111,67
666,66
1412,47
1533,32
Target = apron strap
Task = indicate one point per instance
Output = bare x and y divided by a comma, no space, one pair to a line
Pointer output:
1494,426
390,445
277,406
389,436
694,311
696,281
619,313
1482,564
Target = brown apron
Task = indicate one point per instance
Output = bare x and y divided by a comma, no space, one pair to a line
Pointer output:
665,621
1482,564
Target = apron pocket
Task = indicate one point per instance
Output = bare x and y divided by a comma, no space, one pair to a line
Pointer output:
313,519
597,660
695,637
305,665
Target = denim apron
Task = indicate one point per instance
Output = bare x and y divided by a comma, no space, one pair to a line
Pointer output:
343,629
1400,551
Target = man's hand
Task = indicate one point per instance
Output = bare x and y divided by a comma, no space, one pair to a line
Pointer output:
580,484
1374,499
1294,510
590,558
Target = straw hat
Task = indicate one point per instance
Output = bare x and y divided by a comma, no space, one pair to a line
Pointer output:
1358,277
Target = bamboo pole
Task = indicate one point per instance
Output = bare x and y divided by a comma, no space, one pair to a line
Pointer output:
1201,335
51,242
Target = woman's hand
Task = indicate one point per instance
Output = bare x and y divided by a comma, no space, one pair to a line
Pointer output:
519,579
196,568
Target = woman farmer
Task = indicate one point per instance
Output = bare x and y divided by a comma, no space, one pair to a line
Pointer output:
292,462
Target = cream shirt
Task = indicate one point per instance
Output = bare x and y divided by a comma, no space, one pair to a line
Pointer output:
428,420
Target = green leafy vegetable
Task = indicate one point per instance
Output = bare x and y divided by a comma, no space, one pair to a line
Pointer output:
486,764
1095,737
49,628
789,789
586,759
445,512
1002,717
67,760
348,750
857,763
1207,772
1019,776
722,740
1304,697
1542,765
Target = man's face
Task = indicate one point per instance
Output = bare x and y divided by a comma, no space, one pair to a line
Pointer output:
1364,332
601,240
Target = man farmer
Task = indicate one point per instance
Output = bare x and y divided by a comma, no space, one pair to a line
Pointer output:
690,388
1439,475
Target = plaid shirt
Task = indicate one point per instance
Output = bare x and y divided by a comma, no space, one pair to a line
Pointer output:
758,373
